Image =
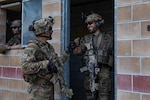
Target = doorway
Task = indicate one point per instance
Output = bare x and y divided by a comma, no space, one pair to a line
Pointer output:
78,29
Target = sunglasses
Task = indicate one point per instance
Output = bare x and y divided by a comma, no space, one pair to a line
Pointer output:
89,23
14,27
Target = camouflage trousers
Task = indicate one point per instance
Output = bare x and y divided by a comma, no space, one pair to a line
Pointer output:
41,92
104,81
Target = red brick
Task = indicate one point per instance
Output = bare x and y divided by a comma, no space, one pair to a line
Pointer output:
141,83
19,73
1,71
9,72
124,82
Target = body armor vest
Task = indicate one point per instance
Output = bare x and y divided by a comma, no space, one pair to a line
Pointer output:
43,52
102,49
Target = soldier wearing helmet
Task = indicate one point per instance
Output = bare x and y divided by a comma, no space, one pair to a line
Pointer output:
41,66
97,48
15,41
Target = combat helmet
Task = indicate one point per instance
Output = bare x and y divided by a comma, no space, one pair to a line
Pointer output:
95,17
43,25
16,23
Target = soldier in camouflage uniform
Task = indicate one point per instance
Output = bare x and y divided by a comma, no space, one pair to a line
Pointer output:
41,66
15,41
99,46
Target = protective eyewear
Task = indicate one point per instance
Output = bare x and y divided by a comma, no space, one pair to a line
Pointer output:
89,23
13,27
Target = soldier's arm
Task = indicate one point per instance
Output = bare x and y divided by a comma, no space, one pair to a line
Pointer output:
29,63
81,48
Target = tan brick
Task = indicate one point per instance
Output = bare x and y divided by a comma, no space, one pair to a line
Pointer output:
56,36
50,1
15,60
2,29
8,95
145,97
15,84
124,13
4,83
122,2
128,30
57,47
2,39
141,48
15,52
51,9
145,65
21,96
3,19
128,65
145,33
25,85
127,96
57,22
4,60
141,12
123,48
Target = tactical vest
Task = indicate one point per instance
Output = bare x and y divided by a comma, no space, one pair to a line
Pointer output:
104,47
43,52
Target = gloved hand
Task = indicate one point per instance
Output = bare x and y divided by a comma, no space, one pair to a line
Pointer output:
51,67
71,47
68,92
3,49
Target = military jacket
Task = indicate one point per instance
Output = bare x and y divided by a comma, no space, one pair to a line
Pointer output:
14,41
33,61
101,46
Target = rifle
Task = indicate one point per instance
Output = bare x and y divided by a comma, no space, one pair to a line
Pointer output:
59,75
92,67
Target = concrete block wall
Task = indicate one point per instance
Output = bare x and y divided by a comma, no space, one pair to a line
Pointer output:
53,8
132,49
12,85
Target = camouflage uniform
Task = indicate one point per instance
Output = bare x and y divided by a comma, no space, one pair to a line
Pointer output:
102,48
15,40
35,68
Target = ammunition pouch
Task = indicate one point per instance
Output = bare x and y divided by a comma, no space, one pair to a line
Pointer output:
105,85
30,78
102,55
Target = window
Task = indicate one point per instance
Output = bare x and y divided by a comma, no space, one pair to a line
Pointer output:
25,10
13,12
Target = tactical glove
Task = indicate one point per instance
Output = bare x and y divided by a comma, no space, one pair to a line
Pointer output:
3,49
51,67
68,92
71,47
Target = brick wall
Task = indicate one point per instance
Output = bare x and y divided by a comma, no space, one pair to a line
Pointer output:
132,49
12,85
53,8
